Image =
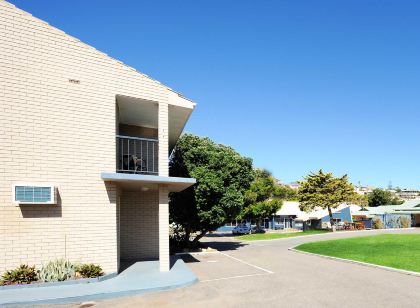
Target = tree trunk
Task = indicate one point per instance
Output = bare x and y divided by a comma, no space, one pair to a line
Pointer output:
331,219
187,237
198,237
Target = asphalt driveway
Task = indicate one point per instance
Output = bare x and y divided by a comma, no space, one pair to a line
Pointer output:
267,273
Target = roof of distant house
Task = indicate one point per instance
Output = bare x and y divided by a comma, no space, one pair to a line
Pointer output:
320,213
289,208
408,207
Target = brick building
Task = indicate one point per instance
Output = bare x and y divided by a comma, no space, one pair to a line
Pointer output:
85,141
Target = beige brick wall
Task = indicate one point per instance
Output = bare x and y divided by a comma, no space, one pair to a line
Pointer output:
139,225
61,133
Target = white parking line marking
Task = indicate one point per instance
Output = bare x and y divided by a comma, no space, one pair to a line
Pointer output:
249,264
212,261
234,277
195,253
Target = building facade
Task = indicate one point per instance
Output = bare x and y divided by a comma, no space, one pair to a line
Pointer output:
290,216
85,141
408,194
392,215
363,190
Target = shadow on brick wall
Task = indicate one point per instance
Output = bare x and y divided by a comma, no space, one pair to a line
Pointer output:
111,191
42,210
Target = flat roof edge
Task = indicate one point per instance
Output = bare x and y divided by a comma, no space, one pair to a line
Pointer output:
114,176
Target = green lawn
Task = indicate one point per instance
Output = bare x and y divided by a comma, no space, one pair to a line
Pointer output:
272,236
400,251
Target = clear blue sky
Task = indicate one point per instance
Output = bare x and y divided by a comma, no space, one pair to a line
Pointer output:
296,85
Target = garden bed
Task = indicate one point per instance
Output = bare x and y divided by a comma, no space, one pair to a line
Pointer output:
38,284
56,272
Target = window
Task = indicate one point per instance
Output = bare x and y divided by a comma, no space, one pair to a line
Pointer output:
34,194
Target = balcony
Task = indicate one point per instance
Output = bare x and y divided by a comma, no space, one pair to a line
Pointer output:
137,155
137,146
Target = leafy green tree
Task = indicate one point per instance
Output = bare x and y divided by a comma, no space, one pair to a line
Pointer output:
222,176
361,200
323,190
260,201
286,193
382,197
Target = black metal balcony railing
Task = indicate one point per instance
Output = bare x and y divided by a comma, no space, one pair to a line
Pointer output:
137,155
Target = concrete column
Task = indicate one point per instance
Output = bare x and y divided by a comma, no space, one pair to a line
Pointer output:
163,133
163,229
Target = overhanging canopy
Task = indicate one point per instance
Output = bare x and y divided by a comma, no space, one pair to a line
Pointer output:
146,182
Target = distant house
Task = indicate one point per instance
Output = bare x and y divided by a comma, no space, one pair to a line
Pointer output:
408,194
320,219
391,214
282,219
285,217
290,216
412,208
363,190
294,185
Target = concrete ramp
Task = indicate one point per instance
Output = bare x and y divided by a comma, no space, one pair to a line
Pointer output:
139,278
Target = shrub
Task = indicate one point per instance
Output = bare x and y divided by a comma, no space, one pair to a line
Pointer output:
177,240
377,223
21,275
58,270
90,270
405,222
177,243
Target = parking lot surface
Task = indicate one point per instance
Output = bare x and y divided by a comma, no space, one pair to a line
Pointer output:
267,273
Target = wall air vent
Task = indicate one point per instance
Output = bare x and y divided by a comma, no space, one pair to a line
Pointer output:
34,194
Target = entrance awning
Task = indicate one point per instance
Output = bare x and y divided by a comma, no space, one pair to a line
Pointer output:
133,181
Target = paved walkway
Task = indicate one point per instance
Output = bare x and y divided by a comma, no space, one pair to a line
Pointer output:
265,273
139,278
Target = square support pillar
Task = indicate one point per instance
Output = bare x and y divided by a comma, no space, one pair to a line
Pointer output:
164,262
163,134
